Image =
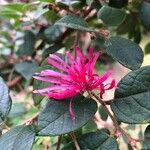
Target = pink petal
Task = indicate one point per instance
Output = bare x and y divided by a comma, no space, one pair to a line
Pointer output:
55,57
103,78
53,74
62,95
70,58
46,79
72,115
111,85
55,64
80,58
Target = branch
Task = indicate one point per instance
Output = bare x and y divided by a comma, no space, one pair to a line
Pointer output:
59,142
75,141
119,131
13,82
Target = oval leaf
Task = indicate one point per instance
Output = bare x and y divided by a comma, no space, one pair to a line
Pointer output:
18,138
5,100
146,142
55,118
26,69
27,48
95,140
145,14
111,16
128,53
53,33
132,103
74,22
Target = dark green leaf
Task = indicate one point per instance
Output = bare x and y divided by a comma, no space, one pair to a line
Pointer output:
17,109
103,113
89,127
144,13
52,49
146,142
94,4
55,118
27,48
26,69
95,140
53,33
5,100
18,138
132,97
118,3
128,53
147,48
74,22
98,43
127,25
111,16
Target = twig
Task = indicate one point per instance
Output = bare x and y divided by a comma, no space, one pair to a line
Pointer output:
119,130
107,110
76,41
32,120
11,74
14,82
75,141
59,142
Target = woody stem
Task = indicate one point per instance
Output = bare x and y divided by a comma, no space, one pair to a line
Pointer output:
75,141
59,142
106,109
115,122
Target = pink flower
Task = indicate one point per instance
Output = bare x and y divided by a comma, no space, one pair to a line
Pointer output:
76,77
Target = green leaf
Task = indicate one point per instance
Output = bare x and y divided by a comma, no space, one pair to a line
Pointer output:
144,13
111,16
26,69
95,140
27,48
9,14
18,138
89,127
147,48
52,49
128,53
146,142
55,118
74,22
103,113
53,33
5,100
17,7
17,109
118,3
132,97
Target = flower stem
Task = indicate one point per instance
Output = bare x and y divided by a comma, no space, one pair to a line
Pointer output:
131,140
75,141
59,142
107,110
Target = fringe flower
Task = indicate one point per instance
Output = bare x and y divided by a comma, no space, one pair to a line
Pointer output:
76,77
